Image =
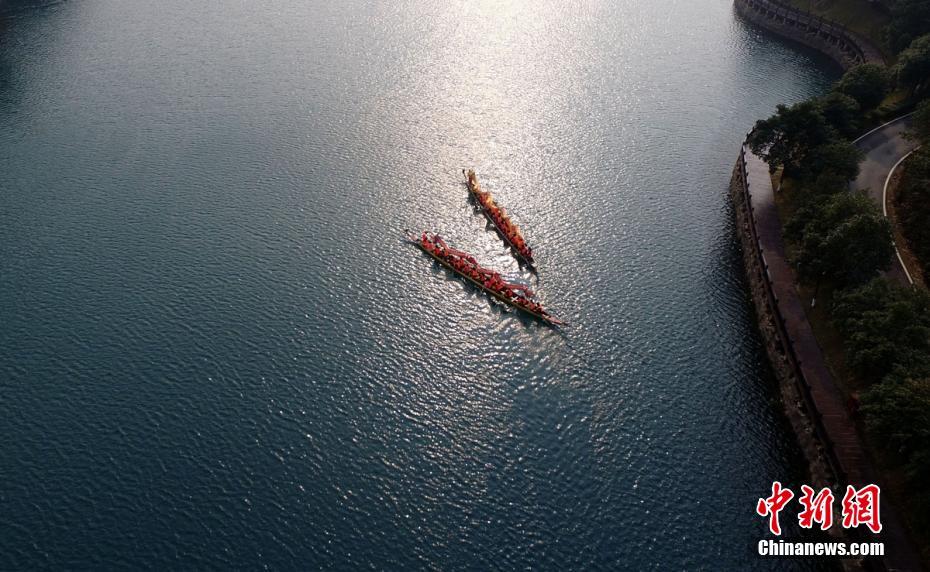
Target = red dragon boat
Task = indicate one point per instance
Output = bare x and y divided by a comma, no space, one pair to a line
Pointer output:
465,266
495,213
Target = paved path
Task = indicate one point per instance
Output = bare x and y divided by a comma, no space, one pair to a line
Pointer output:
827,398
883,148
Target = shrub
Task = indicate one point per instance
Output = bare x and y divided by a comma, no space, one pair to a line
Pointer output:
922,122
898,411
866,83
912,203
909,20
884,327
838,158
841,238
913,66
842,112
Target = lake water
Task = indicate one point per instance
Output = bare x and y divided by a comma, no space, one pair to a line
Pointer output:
216,352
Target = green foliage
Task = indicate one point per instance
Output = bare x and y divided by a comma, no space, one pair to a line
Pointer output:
786,138
804,139
866,83
909,20
884,327
838,159
841,238
913,66
842,112
922,122
898,411
913,206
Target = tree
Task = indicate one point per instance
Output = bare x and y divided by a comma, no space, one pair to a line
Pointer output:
884,327
842,112
839,160
898,410
786,138
913,66
866,83
842,238
909,20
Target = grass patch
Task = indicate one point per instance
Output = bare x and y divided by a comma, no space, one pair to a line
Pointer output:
896,103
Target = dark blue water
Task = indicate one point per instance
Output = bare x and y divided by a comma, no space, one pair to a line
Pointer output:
216,353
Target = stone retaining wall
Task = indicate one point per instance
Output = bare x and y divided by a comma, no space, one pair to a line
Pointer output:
790,380
843,46
813,403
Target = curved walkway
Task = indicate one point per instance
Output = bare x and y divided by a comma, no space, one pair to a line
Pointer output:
884,147
841,439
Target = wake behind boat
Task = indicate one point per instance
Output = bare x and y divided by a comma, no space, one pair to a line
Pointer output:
495,213
465,266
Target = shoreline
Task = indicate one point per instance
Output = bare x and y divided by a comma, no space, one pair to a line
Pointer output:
787,372
841,45
767,320
813,403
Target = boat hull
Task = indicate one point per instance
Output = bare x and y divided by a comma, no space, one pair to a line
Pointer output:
516,252
545,319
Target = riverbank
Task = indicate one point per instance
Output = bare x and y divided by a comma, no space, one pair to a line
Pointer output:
775,339
815,405
843,46
813,348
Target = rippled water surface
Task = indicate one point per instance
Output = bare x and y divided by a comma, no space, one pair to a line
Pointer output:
216,352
